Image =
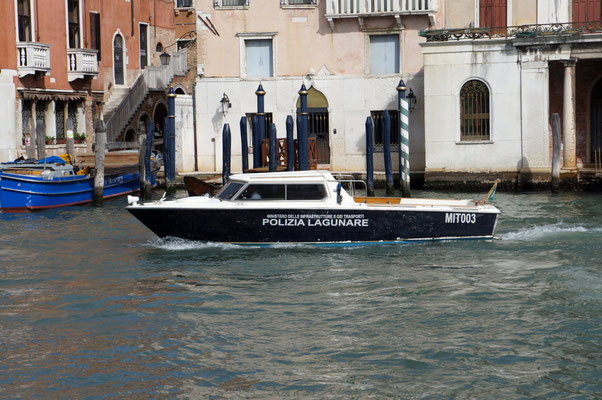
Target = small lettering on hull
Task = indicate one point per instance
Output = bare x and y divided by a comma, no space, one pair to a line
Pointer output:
460,218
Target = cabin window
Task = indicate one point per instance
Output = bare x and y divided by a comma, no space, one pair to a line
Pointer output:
305,192
229,190
262,192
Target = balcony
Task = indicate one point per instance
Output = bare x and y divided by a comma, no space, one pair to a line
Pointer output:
81,63
33,58
361,9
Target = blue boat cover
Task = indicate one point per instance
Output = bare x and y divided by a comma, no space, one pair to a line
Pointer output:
52,159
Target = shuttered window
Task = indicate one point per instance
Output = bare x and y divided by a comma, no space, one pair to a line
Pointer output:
492,13
95,32
259,58
384,54
587,10
474,112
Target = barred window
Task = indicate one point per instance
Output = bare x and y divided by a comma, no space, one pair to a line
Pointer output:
379,135
474,112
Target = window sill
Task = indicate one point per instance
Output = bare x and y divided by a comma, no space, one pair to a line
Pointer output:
231,7
298,6
189,9
474,142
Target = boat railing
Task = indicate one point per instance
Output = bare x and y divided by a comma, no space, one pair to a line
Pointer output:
351,189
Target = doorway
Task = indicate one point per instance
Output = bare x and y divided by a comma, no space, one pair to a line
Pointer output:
318,126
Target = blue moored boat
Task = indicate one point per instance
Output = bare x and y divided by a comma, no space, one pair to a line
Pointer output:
35,186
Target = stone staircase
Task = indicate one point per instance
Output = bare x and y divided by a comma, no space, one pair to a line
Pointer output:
124,102
114,101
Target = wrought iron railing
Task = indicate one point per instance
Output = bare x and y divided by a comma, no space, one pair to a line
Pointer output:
153,78
521,31
230,3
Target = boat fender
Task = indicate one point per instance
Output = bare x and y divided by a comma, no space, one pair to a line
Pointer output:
339,197
133,200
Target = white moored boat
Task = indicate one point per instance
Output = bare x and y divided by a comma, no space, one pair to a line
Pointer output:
311,207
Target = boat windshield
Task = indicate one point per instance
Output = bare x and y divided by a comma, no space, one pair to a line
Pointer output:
229,190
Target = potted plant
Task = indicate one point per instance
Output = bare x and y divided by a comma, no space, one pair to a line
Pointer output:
79,137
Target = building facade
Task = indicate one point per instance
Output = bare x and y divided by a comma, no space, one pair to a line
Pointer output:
496,74
350,55
61,61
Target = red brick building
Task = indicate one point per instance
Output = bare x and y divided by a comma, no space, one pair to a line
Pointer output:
65,59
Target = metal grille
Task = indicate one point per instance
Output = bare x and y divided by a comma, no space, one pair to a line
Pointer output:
268,121
377,118
60,119
318,128
72,114
234,2
474,109
41,111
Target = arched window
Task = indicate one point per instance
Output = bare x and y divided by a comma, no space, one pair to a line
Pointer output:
474,111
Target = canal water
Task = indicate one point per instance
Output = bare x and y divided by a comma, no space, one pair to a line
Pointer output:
93,306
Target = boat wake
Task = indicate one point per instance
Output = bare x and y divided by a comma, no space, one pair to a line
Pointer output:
175,244
550,230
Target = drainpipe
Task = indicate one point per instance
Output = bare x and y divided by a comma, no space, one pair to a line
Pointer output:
196,160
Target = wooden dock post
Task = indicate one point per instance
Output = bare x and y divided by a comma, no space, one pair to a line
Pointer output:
41,139
556,140
99,161
302,130
244,145
30,139
226,153
169,138
290,144
273,148
142,163
69,141
386,127
369,156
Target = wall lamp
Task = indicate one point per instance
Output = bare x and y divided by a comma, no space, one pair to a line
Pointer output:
226,105
411,100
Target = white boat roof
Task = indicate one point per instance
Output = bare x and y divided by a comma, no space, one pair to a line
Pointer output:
318,176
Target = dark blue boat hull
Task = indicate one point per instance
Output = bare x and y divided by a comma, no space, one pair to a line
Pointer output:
310,225
27,192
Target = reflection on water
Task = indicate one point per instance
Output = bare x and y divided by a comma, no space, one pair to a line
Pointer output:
92,305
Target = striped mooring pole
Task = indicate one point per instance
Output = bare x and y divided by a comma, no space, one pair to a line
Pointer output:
404,139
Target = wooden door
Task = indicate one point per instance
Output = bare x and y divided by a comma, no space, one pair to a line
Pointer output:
492,13
596,121
587,10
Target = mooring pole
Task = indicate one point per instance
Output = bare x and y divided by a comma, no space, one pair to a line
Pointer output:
556,140
369,156
30,142
170,174
260,134
302,130
404,139
273,147
142,161
386,127
146,190
226,153
255,140
69,141
100,134
290,144
41,139
244,146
